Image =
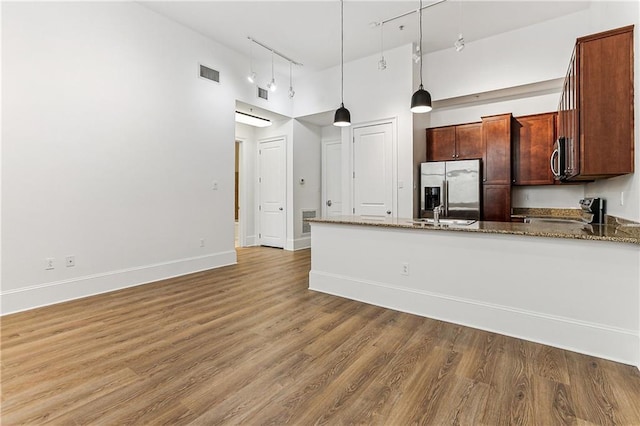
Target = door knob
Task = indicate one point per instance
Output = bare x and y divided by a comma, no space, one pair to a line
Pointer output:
329,203
388,211
280,209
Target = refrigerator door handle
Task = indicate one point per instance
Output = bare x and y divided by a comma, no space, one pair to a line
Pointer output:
445,196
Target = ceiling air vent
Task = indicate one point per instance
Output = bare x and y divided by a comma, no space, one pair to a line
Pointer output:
263,93
209,74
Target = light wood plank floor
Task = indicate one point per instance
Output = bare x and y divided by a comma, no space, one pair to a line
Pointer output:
250,344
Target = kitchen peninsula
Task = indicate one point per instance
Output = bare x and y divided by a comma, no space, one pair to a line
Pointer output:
575,287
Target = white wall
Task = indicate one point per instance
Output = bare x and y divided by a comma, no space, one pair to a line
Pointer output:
524,56
307,150
110,146
247,196
370,95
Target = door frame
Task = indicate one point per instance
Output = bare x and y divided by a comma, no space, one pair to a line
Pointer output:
323,159
394,162
242,193
258,192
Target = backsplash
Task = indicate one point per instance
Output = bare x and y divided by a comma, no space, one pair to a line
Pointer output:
547,212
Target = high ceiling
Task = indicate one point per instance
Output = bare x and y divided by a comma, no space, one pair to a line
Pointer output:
309,31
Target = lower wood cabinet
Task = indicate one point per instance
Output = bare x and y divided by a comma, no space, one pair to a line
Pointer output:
496,203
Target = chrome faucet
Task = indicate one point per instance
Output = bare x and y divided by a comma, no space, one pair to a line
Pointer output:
436,214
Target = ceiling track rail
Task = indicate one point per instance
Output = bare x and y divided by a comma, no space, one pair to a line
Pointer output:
275,52
384,21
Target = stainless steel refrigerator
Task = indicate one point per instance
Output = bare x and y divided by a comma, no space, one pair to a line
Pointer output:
453,185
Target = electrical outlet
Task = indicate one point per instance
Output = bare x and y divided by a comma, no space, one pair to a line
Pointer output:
404,269
201,242
49,263
622,198
215,185
70,261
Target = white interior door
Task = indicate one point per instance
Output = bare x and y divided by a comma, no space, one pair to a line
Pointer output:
332,178
372,171
272,192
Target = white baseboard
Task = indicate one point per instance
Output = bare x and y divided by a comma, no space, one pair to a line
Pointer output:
612,343
298,244
26,298
302,243
251,241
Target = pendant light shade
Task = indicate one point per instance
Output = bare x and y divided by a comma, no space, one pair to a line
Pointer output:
421,99
343,116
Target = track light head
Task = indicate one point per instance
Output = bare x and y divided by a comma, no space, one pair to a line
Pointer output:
459,44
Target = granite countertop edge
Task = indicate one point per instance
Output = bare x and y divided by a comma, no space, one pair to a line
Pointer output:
608,232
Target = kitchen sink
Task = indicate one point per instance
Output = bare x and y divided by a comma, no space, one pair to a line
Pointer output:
446,221
553,220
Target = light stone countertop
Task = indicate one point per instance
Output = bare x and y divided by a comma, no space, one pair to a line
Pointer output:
621,233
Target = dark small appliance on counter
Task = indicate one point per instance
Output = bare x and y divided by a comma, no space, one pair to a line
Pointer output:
593,210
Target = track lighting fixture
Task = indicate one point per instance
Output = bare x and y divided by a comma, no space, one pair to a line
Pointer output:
272,84
292,93
252,75
459,43
382,63
421,99
343,116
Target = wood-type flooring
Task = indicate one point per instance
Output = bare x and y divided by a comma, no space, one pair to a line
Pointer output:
250,344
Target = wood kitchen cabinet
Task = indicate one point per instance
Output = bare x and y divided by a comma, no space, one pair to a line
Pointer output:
595,117
496,140
532,144
460,142
496,203
496,160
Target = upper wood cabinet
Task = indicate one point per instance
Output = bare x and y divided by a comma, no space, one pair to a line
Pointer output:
595,117
461,142
496,140
533,138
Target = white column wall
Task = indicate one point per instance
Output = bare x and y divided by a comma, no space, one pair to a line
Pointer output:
307,153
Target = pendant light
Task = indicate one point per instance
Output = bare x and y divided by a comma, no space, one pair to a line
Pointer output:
421,99
343,116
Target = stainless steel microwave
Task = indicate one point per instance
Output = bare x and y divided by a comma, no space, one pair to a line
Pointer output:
559,159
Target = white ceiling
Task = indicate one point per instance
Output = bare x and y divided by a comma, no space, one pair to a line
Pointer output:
309,31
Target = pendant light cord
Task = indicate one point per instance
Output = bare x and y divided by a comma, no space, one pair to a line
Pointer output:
342,51
421,55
